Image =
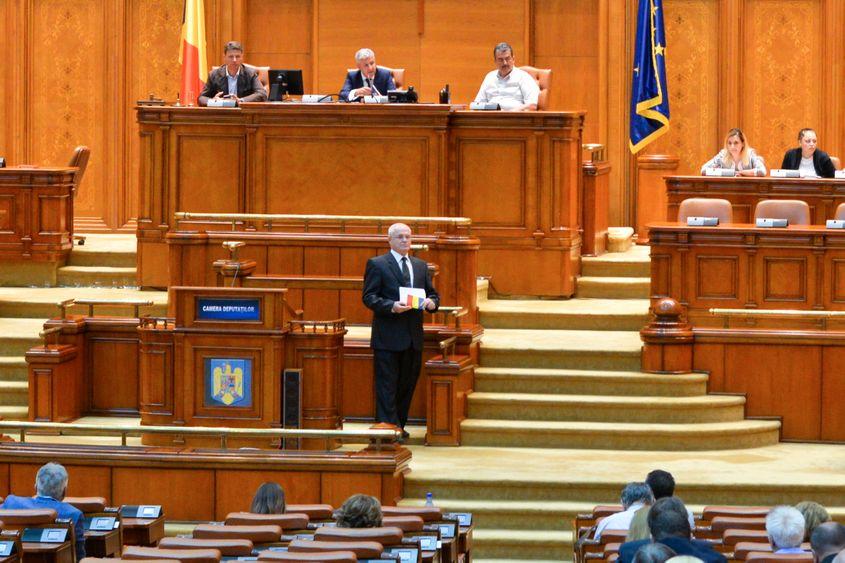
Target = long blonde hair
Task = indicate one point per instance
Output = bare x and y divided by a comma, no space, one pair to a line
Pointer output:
744,156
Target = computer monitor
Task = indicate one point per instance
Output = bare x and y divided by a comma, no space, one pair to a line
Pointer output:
284,83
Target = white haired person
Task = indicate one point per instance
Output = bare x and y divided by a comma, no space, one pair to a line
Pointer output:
367,80
785,528
50,490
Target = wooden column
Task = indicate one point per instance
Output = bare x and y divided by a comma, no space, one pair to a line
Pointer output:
54,379
651,190
596,200
450,379
667,339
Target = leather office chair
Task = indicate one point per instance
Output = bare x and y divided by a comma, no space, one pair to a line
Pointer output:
307,557
757,557
181,555
711,512
398,75
87,504
543,76
795,211
404,523
263,74
705,207
80,160
384,535
837,164
840,212
734,537
427,513
361,549
286,521
227,547
315,512
255,534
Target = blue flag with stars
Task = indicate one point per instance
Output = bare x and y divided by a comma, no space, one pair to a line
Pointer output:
649,96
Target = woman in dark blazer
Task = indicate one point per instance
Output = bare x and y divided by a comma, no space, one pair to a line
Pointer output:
821,163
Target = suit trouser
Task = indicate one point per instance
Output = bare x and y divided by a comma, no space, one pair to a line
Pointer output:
396,375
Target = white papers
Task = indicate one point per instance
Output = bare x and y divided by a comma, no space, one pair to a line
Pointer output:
412,296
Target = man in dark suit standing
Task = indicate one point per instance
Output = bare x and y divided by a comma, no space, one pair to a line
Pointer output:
397,330
233,79
368,80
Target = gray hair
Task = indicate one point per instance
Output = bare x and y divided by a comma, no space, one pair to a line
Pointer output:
785,527
395,227
51,481
502,47
653,552
363,54
636,492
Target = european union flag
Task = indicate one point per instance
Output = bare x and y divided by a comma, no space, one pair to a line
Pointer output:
649,96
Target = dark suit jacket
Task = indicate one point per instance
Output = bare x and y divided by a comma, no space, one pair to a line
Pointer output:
383,81
382,279
250,88
680,546
63,510
821,162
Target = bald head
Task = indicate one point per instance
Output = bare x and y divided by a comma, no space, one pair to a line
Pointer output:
399,238
827,539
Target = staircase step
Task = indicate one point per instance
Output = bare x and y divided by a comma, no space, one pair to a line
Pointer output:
615,436
613,287
14,393
586,382
105,250
19,335
572,314
528,544
13,368
96,276
15,412
41,301
597,408
634,263
561,349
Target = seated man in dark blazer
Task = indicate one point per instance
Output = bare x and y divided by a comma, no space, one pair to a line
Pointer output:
233,79
50,490
669,525
807,158
368,80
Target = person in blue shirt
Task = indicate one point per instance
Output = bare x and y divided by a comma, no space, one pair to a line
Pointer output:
50,490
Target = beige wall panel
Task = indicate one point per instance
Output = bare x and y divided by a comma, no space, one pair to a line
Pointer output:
391,29
692,65
782,72
575,83
565,28
279,35
457,46
68,92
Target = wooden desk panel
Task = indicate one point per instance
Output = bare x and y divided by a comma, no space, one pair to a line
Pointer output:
517,175
823,195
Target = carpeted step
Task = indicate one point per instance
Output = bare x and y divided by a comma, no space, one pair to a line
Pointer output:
105,250
14,393
613,287
616,436
561,349
13,368
14,412
526,544
597,408
572,314
632,264
586,382
96,276
41,301
19,335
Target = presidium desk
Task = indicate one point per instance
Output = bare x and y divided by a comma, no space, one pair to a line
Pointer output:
517,175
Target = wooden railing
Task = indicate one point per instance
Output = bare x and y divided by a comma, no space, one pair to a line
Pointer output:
136,304
270,220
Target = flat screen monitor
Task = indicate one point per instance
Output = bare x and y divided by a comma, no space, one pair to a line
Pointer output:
284,82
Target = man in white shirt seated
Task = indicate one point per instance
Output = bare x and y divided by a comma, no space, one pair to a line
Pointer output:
634,497
510,87
785,528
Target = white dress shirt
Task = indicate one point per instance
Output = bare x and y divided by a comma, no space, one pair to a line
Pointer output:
398,257
232,82
516,89
618,521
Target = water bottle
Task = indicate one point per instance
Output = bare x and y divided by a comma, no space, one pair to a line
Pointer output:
429,499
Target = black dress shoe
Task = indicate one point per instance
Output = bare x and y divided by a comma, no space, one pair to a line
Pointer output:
405,435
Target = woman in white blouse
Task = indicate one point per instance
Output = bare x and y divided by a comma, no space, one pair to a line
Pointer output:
736,156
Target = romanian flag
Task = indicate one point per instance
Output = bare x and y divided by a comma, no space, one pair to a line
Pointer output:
192,51
414,302
649,96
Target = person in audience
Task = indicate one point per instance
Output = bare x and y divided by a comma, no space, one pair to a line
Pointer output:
634,497
736,156
653,553
359,511
669,525
233,79
368,80
807,159
50,490
268,499
638,530
510,87
814,514
785,527
827,540
662,485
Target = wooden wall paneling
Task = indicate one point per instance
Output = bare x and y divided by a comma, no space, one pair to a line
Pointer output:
457,46
22,479
4,479
322,304
833,79
619,34
179,491
278,35
732,18
783,39
199,161
710,358
337,487
357,393
7,66
112,373
234,488
832,389
390,29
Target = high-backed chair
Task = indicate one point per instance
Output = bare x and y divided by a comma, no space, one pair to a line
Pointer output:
308,557
795,211
543,76
840,212
99,542
182,555
398,75
705,207
79,159
758,557
744,548
734,537
263,74
286,521
361,549
227,547
711,512
255,534
427,513
386,536
22,519
837,164
405,523
315,512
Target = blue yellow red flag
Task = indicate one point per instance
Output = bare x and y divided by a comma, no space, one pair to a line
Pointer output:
649,96
192,54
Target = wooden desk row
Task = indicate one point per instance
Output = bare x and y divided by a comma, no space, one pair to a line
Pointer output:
517,175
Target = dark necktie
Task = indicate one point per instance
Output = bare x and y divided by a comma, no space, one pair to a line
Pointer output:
406,273
371,84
